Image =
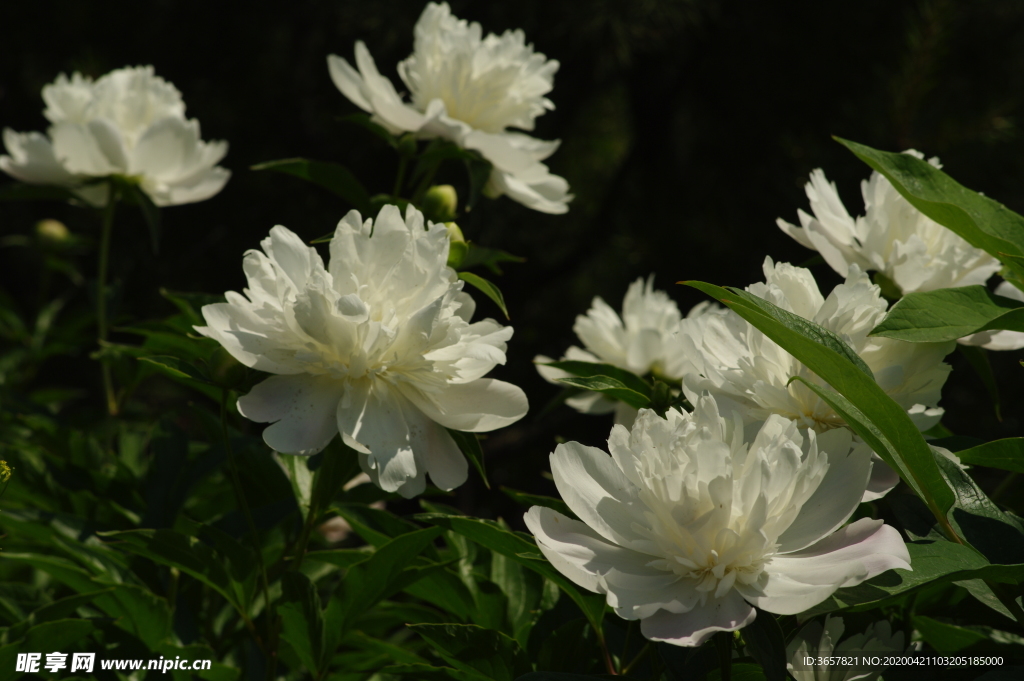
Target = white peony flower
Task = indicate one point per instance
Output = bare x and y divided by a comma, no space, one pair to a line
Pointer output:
643,340
377,346
687,526
820,642
130,123
894,238
731,359
468,89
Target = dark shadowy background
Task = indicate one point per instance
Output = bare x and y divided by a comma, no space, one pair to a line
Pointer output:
687,128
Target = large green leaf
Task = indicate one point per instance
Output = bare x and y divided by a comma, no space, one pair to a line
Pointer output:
185,553
1007,455
806,341
331,176
469,445
948,314
610,387
982,222
475,650
594,369
56,635
520,548
767,645
389,570
302,622
487,288
974,640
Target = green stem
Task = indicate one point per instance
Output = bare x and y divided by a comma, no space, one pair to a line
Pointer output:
608,664
403,162
424,184
625,644
723,641
1005,486
271,641
639,656
307,528
101,295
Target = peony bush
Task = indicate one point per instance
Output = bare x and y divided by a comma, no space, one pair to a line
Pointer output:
284,480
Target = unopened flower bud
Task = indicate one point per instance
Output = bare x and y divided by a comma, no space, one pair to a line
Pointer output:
458,247
52,232
440,203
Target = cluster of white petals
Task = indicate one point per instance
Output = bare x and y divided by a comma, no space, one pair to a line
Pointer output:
817,641
688,526
377,346
892,237
734,361
642,340
129,123
469,89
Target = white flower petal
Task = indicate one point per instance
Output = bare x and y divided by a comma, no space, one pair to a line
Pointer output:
857,552
838,495
32,160
596,490
79,152
377,422
728,613
478,407
303,408
883,479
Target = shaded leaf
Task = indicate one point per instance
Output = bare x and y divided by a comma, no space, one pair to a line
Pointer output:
487,288
948,314
331,176
469,445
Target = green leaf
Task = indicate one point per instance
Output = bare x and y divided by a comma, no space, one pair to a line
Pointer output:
739,672
59,635
302,623
473,649
982,222
488,289
975,640
522,589
909,452
177,369
375,526
519,547
1007,455
593,369
978,359
185,553
339,464
20,191
340,558
469,445
611,387
364,121
948,314
767,645
331,176
527,499
426,672
386,572
488,257
134,194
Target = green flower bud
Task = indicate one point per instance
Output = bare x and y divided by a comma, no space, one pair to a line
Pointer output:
440,203
52,232
458,246
407,145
